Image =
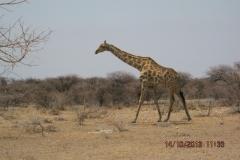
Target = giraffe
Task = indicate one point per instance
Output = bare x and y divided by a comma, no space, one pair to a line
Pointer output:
152,76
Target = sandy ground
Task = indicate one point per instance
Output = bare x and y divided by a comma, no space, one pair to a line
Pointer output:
110,135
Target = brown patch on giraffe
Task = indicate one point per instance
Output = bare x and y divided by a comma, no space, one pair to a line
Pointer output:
151,67
134,60
130,62
138,67
154,73
155,79
135,65
149,72
124,59
159,81
150,79
143,77
138,61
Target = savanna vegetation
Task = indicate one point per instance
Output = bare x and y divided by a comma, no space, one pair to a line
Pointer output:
221,87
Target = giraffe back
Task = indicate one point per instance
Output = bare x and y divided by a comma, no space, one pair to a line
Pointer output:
156,75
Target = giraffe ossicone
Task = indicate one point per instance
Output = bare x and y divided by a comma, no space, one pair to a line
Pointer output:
152,76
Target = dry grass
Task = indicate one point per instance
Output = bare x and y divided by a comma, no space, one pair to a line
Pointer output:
120,126
84,112
33,125
46,120
111,135
51,128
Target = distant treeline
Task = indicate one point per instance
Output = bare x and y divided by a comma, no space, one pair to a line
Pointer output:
116,89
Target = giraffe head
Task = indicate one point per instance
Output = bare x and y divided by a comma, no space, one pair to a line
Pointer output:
103,47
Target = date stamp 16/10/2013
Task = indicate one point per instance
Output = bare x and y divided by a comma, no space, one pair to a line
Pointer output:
195,144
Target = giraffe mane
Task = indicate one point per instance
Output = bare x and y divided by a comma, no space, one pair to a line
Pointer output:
148,58
126,52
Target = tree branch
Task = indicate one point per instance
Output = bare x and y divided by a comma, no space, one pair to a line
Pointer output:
15,47
13,2
24,43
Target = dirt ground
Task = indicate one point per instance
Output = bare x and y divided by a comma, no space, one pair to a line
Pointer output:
111,135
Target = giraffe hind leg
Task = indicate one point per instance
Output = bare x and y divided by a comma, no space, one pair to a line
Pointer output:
181,97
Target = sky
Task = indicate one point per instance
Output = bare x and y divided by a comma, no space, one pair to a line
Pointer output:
186,35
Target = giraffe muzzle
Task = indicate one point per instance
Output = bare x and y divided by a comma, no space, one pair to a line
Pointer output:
97,51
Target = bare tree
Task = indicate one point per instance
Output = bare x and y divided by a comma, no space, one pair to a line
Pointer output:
64,83
121,87
184,78
230,76
121,77
200,87
14,47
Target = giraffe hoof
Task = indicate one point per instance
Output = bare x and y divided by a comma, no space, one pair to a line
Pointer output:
159,120
134,121
189,119
166,120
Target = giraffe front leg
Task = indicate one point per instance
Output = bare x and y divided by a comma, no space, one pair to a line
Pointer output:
153,93
170,107
160,116
143,91
139,107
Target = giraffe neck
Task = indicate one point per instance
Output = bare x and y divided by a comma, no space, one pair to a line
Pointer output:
132,60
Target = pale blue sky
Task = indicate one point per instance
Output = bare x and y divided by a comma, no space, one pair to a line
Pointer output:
187,35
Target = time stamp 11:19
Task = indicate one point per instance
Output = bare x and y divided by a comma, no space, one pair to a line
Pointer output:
195,144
